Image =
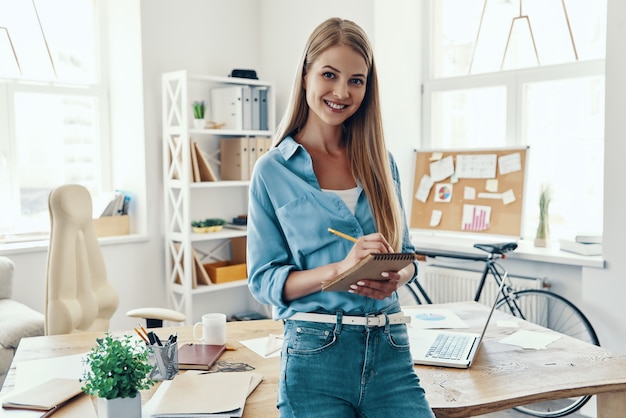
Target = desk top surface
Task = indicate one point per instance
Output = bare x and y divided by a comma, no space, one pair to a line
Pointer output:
501,377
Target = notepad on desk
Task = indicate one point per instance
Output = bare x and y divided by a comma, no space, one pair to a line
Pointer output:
194,394
46,396
198,356
370,267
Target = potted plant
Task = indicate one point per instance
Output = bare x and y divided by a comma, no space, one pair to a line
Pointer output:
543,229
116,370
208,225
198,113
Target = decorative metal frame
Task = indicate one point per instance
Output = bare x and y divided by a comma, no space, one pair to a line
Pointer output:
532,37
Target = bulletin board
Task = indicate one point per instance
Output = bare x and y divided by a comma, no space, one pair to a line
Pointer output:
469,191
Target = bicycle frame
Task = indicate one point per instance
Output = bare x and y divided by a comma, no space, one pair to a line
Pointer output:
490,267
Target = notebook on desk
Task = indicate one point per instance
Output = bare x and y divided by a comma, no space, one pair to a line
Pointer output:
448,348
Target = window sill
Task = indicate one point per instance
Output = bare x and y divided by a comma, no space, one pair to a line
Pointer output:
42,245
526,251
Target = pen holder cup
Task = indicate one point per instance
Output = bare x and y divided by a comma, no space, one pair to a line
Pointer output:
165,361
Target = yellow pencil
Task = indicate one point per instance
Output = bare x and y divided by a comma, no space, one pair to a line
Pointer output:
342,235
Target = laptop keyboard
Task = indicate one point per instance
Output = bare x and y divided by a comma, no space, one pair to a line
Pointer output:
448,347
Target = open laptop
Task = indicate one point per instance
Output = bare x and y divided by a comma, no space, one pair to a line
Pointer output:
448,348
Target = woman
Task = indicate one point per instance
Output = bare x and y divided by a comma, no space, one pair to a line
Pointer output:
329,168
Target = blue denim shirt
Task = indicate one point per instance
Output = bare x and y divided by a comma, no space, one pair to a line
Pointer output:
288,220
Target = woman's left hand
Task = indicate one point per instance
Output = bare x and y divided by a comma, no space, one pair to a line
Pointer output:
377,289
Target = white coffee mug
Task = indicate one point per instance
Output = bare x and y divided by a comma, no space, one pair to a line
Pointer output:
213,329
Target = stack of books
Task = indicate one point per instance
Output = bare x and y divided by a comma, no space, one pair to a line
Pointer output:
584,244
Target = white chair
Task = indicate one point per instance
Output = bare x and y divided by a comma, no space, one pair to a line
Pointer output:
79,296
17,320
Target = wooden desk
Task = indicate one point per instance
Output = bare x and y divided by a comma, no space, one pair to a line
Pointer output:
502,376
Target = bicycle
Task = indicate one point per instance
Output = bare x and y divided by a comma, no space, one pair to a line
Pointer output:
553,311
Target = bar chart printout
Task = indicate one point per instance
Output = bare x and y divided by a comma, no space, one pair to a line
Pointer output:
475,218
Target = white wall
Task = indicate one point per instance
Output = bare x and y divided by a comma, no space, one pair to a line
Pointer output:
604,290
214,36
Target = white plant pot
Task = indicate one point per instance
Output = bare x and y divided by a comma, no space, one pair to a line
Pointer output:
120,407
198,123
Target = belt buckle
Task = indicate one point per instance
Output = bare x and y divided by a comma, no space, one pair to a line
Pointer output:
369,320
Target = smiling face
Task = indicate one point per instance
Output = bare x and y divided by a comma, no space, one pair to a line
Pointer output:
335,85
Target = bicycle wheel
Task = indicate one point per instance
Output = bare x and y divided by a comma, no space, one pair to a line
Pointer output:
556,313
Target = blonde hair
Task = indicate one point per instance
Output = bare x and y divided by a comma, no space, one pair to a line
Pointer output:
363,131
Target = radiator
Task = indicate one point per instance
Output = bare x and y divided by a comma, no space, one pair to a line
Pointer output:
445,284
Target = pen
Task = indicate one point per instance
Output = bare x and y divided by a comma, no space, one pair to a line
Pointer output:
142,337
342,235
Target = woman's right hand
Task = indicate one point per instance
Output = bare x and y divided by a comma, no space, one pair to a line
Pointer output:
365,245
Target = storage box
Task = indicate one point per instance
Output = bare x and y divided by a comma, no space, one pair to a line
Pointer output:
107,226
226,271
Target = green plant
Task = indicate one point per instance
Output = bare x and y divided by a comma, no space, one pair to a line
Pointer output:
213,222
117,368
543,229
198,109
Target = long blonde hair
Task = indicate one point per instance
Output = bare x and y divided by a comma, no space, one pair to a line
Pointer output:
363,131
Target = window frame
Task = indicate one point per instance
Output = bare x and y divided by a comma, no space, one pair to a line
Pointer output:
513,81
99,90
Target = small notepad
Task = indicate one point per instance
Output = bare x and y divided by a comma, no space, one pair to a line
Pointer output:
44,397
370,267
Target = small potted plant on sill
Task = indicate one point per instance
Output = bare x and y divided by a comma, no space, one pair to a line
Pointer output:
198,114
543,229
116,370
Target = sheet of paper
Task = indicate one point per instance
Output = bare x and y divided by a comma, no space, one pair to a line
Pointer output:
435,217
510,163
426,183
442,169
476,218
265,347
508,197
186,394
476,166
434,318
82,407
491,185
443,192
530,339
435,156
34,372
469,193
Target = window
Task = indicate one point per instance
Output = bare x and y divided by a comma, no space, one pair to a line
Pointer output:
52,108
529,73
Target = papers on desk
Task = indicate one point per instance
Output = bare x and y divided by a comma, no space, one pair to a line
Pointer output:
196,394
266,347
434,318
35,372
44,397
530,339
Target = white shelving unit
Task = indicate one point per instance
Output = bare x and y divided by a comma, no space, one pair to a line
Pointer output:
186,201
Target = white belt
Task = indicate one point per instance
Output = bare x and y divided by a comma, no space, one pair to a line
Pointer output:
367,321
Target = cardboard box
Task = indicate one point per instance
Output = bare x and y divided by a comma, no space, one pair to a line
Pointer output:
226,271
108,226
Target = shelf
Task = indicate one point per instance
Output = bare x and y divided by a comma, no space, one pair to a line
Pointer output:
209,236
225,80
212,199
179,184
180,289
229,132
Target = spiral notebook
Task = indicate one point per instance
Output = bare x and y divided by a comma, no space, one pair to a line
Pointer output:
369,267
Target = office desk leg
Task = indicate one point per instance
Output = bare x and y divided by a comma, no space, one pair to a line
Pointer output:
611,404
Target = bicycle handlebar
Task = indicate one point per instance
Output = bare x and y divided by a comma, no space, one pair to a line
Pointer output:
493,249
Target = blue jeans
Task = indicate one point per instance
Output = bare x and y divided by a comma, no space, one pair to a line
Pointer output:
341,371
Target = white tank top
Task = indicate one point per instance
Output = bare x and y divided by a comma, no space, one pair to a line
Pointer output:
349,197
